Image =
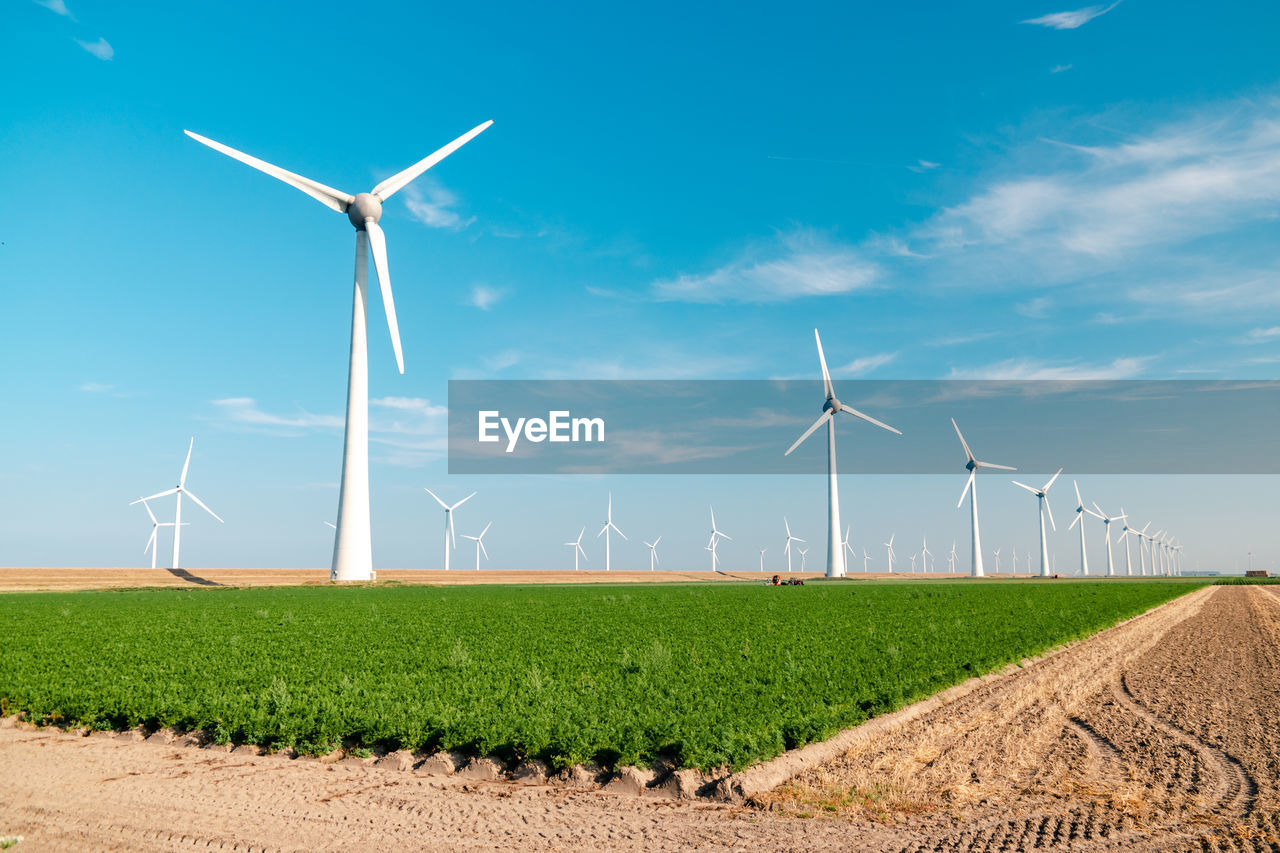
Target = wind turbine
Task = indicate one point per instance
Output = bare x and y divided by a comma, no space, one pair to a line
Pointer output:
972,464
1151,548
925,553
1106,526
913,562
1125,533
951,558
1141,535
479,540
1042,500
1015,559
866,560
1081,509
577,548
790,539
891,554
448,523
716,536
152,545
762,550
832,407
997,554
179,490
353,543
849,551
653,552
802,551
604,531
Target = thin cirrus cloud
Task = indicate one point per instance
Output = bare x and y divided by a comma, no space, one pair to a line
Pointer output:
430,203
866,364
58,7
1031,368
803,262
1071,20
484,296
100,48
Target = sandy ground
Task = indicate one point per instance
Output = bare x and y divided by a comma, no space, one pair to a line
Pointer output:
19,579
1160,734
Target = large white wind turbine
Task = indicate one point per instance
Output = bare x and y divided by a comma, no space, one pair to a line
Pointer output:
762,550
849,551
179,490
479,540
866,559
152,545
951,558
353,545
1126,533
449,538
1081,509
577,548
1106,526
653,553
925,553
972,464
1042,499
1142,554
790,539
716,536
604,531
891,555
996,552
832,407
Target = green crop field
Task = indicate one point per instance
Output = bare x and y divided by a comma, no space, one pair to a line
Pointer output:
705,675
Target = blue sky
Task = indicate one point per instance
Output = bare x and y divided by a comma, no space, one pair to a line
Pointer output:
1005,190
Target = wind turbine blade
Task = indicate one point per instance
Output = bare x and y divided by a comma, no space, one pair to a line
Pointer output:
826,375
798,539
1049,509
1101,514
453,536
1051,479
443,505
330,523
486,529
826,416
978,464
602,530
327,196
579,539
200,504
483,550
619,532
378,242
461,502
869,419
396,182
163,494
1075,521
147,506
967,485
1079,500
1025,486
583,553
963,443
151,541
1095,515
182,481
656,541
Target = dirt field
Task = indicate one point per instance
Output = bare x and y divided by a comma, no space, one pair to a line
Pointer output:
1160,734
19,580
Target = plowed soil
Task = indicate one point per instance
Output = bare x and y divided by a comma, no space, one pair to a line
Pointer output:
1160,734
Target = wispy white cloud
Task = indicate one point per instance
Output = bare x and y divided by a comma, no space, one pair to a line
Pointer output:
105,389
430,203
864,365
799,263
924,166
1037,308
56,6
1073,19
1270,334
1058,69
100,48
1031,368
485,297
245,411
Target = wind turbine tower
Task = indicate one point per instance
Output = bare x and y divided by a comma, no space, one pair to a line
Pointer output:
831,408
449,537
971,489
353,541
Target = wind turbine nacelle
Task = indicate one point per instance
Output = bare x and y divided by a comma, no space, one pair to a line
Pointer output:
365,206
832,405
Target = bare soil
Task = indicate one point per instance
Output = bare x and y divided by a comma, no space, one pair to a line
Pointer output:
1160,734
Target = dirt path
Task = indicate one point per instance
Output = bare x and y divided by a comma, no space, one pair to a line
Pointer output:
1161,734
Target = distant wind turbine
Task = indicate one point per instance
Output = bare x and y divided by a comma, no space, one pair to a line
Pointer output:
971,489
479,540
449,537
866,560
1042,501
653,552
913,562
152,545
951,558
1126,533
892,555
577,548
604,531
925,553
179,490
1081,509
716,536
790,539
844,543
1106,526
830,408
762,550
997,554
802,551
353,543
